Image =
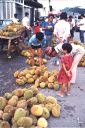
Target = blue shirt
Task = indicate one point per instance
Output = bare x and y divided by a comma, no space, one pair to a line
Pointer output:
33,41
48,32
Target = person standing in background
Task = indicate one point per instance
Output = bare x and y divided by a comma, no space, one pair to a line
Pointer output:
62,29
81,25
48,28
72,25
15,19
26,23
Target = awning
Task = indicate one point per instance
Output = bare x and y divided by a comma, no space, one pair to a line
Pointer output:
33,4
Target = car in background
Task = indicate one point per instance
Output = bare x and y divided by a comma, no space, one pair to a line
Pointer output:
5,22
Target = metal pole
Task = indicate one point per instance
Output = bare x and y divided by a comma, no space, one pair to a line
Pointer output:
23,9
49,5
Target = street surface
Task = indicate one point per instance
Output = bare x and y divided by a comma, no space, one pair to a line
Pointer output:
72,107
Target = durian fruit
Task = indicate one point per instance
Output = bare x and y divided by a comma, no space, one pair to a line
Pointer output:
4,124
6,117
25,122
1,114
34,118
37,110
41,98
28,75
3,103
50,85
13,100
35,77
22,104
16,74
28,94
8,95
18,92
56,110
44,61
37,83
46,74
32,101
32,72
51,79
38,72
42,85
51,99
9,109
20,81
46,113
56,86
49,106
42,122
20,112
30,80
35,90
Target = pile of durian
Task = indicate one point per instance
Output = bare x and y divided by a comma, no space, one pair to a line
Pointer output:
38,76
27,108
26,53
12,29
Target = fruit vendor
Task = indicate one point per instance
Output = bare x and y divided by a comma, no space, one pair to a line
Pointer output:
38,42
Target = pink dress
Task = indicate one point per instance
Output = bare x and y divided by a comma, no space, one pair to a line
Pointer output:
62,76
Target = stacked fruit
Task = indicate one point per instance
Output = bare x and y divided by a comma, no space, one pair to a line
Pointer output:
39,76
12,29
27,108
26,53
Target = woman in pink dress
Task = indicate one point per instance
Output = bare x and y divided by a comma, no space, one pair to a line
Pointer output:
65,75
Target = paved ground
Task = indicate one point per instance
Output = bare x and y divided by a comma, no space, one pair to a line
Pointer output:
73,106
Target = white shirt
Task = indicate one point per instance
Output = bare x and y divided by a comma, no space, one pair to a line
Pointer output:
25,22
72,23
62,29
76,49
15,20
82,21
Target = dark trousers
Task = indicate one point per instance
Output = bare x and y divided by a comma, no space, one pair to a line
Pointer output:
82,36
72,32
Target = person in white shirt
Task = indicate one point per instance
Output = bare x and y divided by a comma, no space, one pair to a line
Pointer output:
62,28
81,25
77,53
26,23
15,19
72,25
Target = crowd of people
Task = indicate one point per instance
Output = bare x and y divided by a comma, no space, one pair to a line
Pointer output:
69,54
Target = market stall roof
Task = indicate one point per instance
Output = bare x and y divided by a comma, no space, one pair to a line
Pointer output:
33,3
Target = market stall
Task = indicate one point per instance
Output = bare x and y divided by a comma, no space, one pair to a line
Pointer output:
12,34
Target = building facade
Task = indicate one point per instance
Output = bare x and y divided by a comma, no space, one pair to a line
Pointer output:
9,7
45,10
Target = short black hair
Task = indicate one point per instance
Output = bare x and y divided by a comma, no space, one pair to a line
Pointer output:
50,15
39,35
67,47
26,13
15,15
70,16
63,15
